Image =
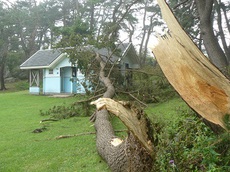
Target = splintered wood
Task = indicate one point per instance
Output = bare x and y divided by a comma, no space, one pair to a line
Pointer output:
200,83
136,123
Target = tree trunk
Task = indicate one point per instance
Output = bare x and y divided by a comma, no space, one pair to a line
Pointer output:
140,53
215,53
4,52
2,80
221,32
92,18
200,84
133,154
224,9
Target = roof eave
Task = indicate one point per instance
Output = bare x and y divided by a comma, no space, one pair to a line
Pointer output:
126,49
51,65
34,67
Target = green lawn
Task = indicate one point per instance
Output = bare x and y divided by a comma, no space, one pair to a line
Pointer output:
168,112
22,150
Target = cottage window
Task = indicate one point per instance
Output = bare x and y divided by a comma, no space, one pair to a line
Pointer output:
51,71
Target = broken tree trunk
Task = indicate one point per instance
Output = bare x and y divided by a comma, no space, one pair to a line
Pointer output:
200,83
135,153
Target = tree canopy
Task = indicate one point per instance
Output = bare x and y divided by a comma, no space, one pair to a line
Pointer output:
27,26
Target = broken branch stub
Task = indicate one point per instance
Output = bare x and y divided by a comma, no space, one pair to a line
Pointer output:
134,120
194,77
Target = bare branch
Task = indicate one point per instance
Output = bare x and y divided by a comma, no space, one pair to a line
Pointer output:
177,5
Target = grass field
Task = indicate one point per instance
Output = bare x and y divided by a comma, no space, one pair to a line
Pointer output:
22,151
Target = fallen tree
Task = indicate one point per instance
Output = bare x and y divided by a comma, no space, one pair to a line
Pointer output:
199,82
135,153
194,77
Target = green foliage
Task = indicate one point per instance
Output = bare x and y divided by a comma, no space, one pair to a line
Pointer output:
61,112
22,85
187,144
67,111
14,60
151,86
77,34
186,16
226,120
222,146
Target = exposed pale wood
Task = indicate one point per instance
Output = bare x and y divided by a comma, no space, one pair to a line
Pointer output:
198,81
73,135
50,119
134,121
82,134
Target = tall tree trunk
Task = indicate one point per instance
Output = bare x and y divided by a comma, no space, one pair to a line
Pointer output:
92,19
149,32
141,49
3,55
131,32
221,32
2,80
224,8
215,53
121,155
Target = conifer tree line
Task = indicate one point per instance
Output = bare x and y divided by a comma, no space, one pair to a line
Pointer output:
29,25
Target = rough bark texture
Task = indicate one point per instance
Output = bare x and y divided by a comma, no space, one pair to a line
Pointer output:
198,82
221,31
121,155
3,55
215,53
2,80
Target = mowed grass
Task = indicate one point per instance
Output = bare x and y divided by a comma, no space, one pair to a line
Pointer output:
168,113
22,150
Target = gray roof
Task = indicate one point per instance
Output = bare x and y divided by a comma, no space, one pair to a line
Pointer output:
122,47
42,58
108,53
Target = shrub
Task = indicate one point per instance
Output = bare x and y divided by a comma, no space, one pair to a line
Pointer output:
67,111
22,85
151,85
61,112
190,145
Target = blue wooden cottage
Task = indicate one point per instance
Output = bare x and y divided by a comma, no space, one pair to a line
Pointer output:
59,75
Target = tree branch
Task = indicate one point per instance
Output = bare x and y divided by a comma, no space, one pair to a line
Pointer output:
177,5
82,134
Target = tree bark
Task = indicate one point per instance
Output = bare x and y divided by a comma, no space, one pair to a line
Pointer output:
130,154
215,53
221,32
2,80
4,53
